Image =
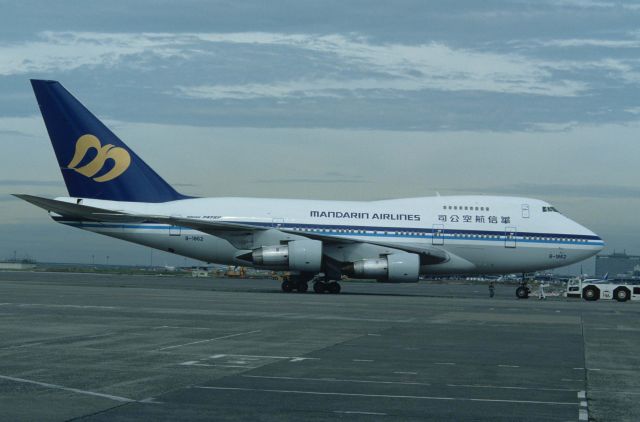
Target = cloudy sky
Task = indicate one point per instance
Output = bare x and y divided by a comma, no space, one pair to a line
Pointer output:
332,100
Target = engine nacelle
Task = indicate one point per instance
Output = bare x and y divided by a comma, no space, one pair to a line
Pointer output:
393,268
299,255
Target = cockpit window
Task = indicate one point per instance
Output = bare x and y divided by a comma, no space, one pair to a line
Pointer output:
549,209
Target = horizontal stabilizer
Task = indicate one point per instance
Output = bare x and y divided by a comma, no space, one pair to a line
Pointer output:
79,211
71,210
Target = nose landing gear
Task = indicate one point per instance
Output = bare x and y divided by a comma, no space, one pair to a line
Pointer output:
523,291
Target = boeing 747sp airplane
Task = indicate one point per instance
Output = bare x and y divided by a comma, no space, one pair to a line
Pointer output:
114,193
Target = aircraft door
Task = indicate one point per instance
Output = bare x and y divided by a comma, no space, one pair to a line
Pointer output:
175,230
438,234
510,234
525,211
276,223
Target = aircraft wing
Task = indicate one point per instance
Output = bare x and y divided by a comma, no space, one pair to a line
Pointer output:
427,254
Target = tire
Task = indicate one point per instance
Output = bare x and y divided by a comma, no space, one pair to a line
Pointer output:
302,286
591,293
319,287
287,286
334,287
621,294
522,292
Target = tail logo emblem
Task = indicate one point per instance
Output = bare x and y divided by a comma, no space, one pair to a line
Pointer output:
120,156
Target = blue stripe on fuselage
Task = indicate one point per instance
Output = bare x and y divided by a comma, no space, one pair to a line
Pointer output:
388,232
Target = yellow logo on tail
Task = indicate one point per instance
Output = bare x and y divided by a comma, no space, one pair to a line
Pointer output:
120,156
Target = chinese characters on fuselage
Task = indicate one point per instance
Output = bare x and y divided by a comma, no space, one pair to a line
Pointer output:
491,219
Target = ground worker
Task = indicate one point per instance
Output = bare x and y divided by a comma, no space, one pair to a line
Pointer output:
492,289
541,294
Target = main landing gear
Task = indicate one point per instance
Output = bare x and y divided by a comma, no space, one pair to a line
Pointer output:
322,286
300,285
289,285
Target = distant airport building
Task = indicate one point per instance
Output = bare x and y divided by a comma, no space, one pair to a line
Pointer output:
616,263
16,265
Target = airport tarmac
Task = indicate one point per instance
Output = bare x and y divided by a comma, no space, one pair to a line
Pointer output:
112,347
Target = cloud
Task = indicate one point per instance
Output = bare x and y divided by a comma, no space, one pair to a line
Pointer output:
310,180
25,127
358,64
399,67
591,42
595,4
54,51
26,182
563,190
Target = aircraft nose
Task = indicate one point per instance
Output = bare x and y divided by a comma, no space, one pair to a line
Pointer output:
596,241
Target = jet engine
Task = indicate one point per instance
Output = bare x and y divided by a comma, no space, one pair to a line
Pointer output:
303,255
393,268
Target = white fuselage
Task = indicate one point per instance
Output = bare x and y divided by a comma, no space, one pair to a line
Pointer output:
482,234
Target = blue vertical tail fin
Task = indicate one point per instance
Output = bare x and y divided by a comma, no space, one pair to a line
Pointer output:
94,162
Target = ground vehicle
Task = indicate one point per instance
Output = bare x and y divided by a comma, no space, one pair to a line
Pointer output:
594,289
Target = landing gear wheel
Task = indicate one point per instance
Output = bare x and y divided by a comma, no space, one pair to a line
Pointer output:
334,287
319,287
287,286
522,292
302,286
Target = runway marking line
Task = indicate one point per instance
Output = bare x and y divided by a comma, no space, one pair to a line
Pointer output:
179,328
56,305
327,393
362,360
509,366
207,340
335,380
74,390
196,363
583,415
443,363
502,387
509,387
407,372
296,358
359,412
583,411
